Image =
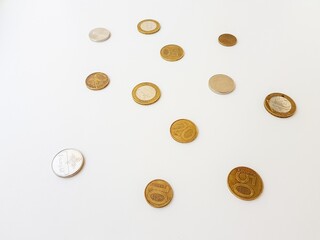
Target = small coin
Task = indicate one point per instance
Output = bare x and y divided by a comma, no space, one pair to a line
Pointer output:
280,105
245,183
222,84
158,193
146,93
97,81
227,40
67,163
99,34
183,131
172,52
148,26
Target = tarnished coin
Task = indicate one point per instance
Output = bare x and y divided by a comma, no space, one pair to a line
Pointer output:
172,52
158,193
227,40
97,81
280,105
148,26
221,83
146,93
183,131
67,163
99,34
245,183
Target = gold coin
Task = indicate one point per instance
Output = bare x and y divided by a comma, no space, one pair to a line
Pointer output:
148,26
222,84
227,40
245,183
172,52
158,193
146,93
97,81
280,105
183,131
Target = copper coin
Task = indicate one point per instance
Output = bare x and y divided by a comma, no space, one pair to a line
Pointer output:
227,40
148,26
172,52
280,105
158,193
146,93
183,131
222,84
97,81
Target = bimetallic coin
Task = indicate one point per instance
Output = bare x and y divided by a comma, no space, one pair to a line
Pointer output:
146,93
183,131
99,34
97,81
158,193
148,26
227,40
67,163
222,84
172,52
280,105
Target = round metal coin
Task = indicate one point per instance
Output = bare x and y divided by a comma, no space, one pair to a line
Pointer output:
158,193
221,83
172,52
148,26
245,183
227,40
67,163
280,105
97,81
183,131
99,34
146,93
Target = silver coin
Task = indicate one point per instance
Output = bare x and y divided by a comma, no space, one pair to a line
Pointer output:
99,34
67,163
221,84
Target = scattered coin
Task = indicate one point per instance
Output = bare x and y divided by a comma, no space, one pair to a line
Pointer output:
146,93
222,84
280,105
183,131
97,81
172,52
227,40
67,163
148,26
158,193
245,183
99,34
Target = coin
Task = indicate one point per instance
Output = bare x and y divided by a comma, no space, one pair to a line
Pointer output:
245,183
99,34
172,52
67,163
183,131
158,193
146,93
222,84
148,26
280,105
97,81
227,40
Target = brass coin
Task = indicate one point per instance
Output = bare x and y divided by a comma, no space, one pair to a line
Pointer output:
97,81
245,183
172,53
158,193
227,40
280,105
221,83
183,131
146,93
148,26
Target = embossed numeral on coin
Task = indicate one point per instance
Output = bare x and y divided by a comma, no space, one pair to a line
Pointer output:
242,188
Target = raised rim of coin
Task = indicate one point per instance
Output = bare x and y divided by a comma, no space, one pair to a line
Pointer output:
183,140
99,34
276,113
156,205
146,102
227,40
95,87
216,88
156,29
171,59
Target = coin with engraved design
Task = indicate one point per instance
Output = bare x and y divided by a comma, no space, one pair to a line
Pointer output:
280,105
146,93
67,163
221,84
172,52
97,81
183,131
148,26
158,193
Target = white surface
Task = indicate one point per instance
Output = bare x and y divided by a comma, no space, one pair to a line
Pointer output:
45,57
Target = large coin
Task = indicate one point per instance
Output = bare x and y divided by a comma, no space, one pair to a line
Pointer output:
99,34
97,81
245,183
172,52
148,26
158,193
183,131
227,40
221,83
67,163
280,105
146,93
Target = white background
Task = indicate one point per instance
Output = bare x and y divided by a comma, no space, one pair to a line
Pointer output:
45,57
